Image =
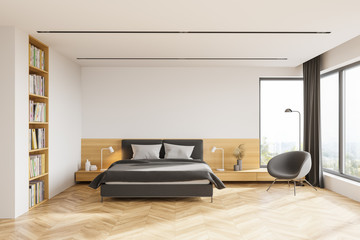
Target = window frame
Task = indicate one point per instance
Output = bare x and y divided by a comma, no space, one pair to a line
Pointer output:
341,71
272,79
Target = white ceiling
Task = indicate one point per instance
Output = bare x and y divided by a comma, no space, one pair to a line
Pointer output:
341,18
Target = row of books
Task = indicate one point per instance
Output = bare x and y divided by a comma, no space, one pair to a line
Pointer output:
37,57
36,192
37,84
37,138
37,111
37,165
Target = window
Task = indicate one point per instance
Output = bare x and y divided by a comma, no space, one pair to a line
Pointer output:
340,118
279,131
330,120
352,121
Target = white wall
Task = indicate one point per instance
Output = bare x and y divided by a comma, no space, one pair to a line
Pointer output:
7,122
342,186
342,55
21,123
13,122
64,122
173,102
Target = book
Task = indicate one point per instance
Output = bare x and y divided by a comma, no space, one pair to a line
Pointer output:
43,170
37,165
30,137
37,112
31,111
34,140
37,57
37,84
43,60
36,192
37,138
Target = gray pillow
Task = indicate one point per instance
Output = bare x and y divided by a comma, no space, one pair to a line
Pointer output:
178,151
146,151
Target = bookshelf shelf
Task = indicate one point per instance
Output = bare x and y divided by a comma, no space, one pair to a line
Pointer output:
37,97
33,69
38,204
38,123
38,131
37,177
38,150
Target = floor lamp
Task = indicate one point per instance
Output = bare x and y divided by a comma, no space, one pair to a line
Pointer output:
288,110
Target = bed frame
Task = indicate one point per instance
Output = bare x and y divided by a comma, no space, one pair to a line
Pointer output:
158,190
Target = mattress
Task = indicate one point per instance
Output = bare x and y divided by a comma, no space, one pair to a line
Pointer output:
204,181
157,172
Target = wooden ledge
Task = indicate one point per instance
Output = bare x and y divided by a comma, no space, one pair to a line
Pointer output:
258,174
256,170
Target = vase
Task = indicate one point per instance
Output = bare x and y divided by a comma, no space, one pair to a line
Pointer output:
239,162
87,165
236,168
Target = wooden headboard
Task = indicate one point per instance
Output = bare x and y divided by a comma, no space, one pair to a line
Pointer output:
90,149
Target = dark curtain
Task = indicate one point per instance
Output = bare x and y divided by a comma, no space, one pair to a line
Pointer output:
312,140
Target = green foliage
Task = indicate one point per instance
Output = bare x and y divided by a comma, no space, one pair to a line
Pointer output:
265,154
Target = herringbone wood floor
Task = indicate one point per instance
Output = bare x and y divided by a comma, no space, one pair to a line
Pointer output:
241,211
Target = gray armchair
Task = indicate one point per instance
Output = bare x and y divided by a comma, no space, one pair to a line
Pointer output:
291,166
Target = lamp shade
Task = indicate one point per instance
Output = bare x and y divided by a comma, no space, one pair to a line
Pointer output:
288,110
111,149
213,149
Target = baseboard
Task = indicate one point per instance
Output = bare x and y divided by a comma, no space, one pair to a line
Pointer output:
342,186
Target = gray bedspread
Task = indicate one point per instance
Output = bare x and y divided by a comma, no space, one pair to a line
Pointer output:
157,170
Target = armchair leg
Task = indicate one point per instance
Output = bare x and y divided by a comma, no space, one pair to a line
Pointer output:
271,185
294,188
310,184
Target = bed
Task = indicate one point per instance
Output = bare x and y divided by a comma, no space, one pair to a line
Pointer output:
158,178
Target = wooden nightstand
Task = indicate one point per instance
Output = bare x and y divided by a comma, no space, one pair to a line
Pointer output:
86,176
259,174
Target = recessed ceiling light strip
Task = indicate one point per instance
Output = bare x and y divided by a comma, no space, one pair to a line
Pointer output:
186,59
191,32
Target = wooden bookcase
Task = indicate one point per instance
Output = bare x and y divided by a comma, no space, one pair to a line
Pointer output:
39,98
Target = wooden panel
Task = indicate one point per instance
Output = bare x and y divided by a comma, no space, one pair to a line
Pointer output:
264,176
86,176
250,161
91,149
236,176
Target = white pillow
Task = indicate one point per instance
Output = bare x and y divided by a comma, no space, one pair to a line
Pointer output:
178,151
146,151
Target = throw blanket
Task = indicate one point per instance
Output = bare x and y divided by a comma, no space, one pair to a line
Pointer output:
157,170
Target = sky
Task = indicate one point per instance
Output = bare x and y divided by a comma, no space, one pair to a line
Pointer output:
276,96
